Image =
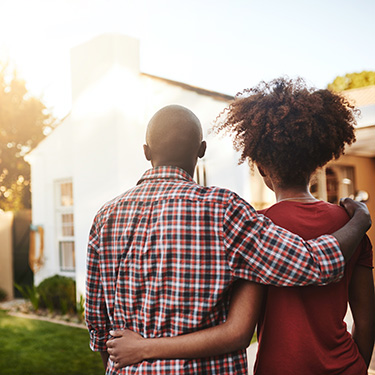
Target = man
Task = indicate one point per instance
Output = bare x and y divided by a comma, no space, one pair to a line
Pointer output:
163,256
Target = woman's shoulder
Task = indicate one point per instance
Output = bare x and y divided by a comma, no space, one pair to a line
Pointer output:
315,207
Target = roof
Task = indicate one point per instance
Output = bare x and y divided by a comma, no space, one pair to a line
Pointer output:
214,94
362,96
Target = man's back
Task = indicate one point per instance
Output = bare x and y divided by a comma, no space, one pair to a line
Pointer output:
163,265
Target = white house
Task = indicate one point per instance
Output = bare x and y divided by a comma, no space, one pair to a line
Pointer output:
96,153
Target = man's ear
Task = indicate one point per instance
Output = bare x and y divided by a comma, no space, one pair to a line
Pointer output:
147,152
202,149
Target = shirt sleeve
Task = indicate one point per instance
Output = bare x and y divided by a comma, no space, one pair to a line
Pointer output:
95,307
260,251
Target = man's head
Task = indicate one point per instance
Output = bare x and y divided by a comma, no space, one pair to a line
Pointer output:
174,137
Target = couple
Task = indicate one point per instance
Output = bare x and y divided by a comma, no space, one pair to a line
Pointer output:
178,274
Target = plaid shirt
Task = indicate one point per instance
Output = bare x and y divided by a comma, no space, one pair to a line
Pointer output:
163,256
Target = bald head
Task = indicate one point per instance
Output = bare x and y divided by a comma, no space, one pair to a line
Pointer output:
174,137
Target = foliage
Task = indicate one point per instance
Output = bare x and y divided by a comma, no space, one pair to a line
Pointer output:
3,295
254,338
36,347
352,81
47,303
24,122
81,308
58,293
30,293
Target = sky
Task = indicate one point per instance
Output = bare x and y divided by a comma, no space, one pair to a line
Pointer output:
219,45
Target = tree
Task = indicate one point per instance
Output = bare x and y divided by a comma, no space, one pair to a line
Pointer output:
352,81
24,122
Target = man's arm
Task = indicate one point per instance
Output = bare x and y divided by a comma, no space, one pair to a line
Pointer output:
129,347
95,305
260,251
351,234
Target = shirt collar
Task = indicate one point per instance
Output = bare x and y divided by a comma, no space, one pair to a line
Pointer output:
165,173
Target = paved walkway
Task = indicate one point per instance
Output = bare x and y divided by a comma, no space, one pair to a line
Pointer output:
13,310
371,370
251,354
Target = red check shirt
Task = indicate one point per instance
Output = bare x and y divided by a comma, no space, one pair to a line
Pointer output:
163,256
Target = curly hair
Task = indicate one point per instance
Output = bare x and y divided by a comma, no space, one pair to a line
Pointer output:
288,128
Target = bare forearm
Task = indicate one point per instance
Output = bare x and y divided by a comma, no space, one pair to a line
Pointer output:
213,341
362,304
230,336
364,338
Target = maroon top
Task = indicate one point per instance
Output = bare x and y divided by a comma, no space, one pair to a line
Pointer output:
302,329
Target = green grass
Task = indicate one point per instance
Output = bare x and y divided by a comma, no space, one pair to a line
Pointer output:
33,347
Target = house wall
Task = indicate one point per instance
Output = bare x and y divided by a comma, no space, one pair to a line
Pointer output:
52,160
6,256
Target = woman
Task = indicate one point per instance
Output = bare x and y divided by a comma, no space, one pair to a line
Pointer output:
288,131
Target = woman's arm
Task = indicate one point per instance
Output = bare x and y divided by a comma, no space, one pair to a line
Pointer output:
361,300
129,347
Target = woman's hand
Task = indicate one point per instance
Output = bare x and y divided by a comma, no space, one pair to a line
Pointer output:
125,348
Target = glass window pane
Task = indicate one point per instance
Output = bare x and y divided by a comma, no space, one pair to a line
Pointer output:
332,186
66,194
67,225
67,259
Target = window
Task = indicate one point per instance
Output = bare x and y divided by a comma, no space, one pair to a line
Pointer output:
334,182
65,224
67,261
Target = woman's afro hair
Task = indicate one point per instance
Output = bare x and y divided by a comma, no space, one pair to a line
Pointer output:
288,128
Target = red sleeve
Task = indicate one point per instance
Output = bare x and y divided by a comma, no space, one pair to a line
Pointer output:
96,316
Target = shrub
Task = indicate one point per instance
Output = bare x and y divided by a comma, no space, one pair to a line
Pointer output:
81,308
58,293
3,295
31,293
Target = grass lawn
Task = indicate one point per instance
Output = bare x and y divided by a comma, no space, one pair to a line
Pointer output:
33,347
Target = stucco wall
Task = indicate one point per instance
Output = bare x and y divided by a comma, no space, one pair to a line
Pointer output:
6,253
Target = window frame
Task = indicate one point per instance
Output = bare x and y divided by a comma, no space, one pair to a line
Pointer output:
61,237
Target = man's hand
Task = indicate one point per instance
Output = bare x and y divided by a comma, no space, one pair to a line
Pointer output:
125,348
353,207
351,234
